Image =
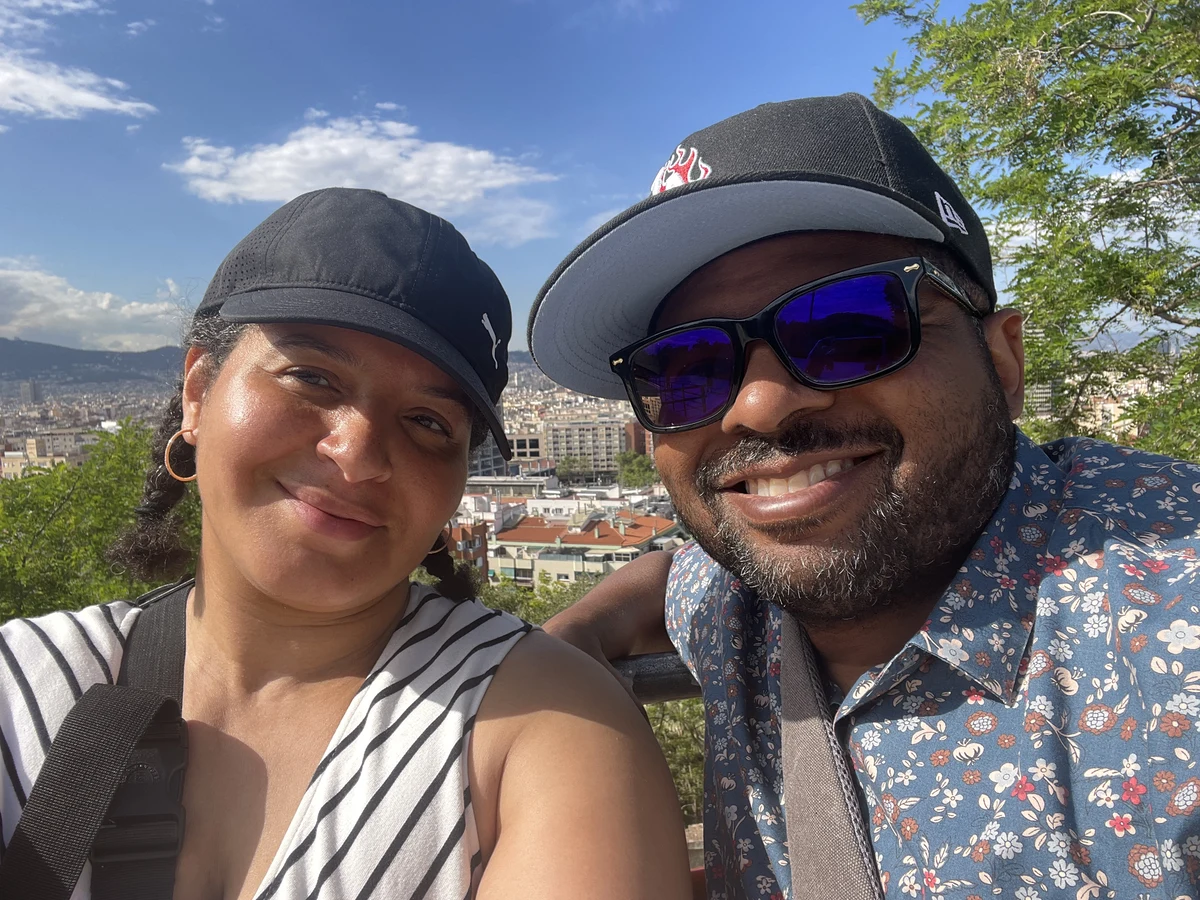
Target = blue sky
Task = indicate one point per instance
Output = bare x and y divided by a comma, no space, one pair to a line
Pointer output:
141,139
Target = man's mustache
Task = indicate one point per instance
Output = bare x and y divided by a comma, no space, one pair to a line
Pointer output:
800,437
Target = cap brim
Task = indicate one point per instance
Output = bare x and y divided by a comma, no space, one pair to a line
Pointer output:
326,306
603,296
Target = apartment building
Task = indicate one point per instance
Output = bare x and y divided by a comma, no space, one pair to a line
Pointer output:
468,543
596,441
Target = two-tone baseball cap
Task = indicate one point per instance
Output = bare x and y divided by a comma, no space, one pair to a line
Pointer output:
361,260
815,164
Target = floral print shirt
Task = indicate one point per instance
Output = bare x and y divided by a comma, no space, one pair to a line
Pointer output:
1037,738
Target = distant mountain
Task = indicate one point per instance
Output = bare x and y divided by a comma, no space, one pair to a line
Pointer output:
30,359
520,358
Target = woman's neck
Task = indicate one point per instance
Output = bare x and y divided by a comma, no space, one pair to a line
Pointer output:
245,642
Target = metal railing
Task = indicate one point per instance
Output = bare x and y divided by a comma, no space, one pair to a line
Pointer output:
658,677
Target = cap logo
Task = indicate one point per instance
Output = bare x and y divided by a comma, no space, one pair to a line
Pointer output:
487,323
949,216
684,167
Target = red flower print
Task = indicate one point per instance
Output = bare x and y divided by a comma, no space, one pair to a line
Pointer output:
1097,718
1164,781
1034,721
980,723
1007,583
1039,663
908,827
1162,527
1007,741
1080,854
980,850
1023,788
1173,724
1157,566
1133,571
972,776
1145,866
1033,576
1055,565
974,695
939,757
931,879
928,708
1138,643
1128,727
891,808
1121,823
1132,791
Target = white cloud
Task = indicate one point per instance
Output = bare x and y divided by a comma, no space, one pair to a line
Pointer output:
312,114
39,306
450,179
133,29
595,221
35,87
387,106
44,90
132,129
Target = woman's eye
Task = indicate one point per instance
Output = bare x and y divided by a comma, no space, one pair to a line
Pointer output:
309,377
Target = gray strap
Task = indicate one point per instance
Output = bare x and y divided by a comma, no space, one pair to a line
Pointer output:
829,851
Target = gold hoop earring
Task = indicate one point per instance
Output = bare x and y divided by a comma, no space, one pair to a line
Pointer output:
167,456
440,541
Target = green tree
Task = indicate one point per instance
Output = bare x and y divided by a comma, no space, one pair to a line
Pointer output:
1075,127
573,468
635,470
56,525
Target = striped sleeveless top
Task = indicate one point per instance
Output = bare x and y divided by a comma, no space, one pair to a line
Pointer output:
388,811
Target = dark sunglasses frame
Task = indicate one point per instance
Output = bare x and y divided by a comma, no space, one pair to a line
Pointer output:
761,327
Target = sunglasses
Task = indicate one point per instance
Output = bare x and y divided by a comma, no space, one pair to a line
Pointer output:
837,332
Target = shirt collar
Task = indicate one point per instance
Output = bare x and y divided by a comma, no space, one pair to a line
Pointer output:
982,623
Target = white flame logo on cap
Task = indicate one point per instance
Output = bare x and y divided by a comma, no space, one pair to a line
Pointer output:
487,323
684,167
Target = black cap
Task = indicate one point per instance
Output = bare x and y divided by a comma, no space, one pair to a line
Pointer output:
820,163
358,259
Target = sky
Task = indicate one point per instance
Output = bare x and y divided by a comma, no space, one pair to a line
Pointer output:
140,140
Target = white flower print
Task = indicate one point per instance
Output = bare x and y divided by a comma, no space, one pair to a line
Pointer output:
1191,847
1041,704
952,650
1059,844
1007,846
1172,855
1184,704
1027,893
990,830
1063,873
1180,636
952,798
1005,777
731,814
1129,765
908,723
906,777
1060,649
911,702
1093,602
1046,606
1043,770
1096,625
1103,796
871,740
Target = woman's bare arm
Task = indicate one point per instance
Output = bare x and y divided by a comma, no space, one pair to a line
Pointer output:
572,795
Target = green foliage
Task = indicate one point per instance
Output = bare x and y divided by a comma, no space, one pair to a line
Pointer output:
635,470
55,527
1074,126
573,468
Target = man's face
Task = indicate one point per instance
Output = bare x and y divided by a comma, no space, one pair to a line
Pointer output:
831,503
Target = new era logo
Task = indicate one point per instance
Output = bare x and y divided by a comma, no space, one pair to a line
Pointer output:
949,216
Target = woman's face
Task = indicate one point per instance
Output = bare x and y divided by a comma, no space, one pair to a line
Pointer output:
329,460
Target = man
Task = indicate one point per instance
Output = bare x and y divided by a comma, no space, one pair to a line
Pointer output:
804,313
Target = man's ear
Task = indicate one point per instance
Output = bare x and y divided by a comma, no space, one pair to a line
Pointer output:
196,377
1002,331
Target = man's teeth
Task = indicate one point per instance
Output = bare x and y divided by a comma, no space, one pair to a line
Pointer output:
806,478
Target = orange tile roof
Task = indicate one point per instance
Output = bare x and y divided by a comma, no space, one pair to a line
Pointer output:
534,530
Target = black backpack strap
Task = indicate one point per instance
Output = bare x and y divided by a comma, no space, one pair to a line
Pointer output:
111,785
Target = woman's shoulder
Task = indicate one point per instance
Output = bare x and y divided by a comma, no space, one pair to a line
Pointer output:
71,649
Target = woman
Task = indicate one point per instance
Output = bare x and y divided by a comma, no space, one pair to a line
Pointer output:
352,734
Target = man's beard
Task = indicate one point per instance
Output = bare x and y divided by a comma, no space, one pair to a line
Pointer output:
906,545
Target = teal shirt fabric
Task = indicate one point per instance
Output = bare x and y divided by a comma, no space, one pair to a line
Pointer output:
1037,738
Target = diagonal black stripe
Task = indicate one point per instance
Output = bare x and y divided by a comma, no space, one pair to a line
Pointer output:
335,860
302,847
10,766
96,654
68,673
400,684
439,861
35,711
389,855
106,610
